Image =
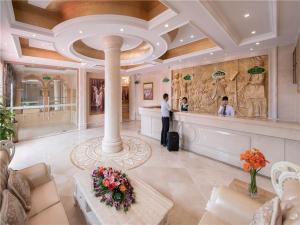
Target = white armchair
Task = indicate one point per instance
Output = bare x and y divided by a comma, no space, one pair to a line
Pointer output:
9,147
282,172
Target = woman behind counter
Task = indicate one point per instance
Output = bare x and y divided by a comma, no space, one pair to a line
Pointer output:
184,106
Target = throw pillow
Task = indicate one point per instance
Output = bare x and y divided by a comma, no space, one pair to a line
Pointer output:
19,186
12,212
268,214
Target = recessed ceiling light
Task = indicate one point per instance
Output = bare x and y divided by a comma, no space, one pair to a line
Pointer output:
122,29
63,49
157,43
83,64
251,49
166,25
246,15
33,35
181,40
192,36
253,32
257,43
211,53
80,32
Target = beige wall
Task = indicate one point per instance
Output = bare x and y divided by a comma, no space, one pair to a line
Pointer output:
159,88
288,96
93,120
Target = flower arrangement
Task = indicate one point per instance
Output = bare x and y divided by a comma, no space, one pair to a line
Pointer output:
254,161
113,188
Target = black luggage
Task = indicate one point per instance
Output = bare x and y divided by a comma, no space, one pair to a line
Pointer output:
172,137
173,141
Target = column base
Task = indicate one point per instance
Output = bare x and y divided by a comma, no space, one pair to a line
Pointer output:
112,146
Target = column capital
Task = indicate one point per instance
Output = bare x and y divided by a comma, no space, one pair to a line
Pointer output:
112,42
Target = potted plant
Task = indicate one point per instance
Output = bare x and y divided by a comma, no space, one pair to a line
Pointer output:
7,128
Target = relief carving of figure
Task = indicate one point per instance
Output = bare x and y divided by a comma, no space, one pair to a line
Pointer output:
255,95
176,91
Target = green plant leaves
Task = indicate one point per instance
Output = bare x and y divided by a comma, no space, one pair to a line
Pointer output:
6,123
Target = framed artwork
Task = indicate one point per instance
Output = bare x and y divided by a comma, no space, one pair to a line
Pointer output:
148,91
96,90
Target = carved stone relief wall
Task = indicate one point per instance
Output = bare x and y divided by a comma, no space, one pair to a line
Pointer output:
204,86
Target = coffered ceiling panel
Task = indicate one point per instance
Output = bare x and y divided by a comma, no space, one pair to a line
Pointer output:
58,11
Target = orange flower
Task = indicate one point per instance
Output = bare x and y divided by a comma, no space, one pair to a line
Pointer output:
254,159
246,167
122,188
105,183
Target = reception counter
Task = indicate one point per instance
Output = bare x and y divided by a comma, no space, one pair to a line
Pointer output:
224,138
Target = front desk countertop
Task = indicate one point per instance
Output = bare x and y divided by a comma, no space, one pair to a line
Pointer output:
224,138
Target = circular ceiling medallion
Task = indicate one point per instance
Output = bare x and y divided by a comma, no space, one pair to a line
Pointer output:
83,37
129,42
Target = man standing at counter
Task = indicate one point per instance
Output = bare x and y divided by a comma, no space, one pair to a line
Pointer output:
225,109
165,109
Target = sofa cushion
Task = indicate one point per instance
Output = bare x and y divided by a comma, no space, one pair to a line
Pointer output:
54,215
210,219
12,211
19,186
268,214
3,171
42,197
291,211
291,189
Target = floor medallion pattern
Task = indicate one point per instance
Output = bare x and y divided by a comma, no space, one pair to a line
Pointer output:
89,155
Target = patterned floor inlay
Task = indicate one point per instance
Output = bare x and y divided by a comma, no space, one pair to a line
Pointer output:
88,155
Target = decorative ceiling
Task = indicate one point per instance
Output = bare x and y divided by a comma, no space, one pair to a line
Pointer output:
69,33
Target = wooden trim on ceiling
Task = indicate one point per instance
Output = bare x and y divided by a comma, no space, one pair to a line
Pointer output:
59,11
189,48
41,53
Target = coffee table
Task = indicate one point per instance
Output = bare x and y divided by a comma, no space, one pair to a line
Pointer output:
151,207
242,187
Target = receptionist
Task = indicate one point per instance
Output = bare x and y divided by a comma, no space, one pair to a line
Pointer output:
184,106
225,109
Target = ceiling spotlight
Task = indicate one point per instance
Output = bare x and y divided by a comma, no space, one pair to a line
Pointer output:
181,40
63,49
246,15
166,25
122,29
257,43
192,36
157,43
83,64
211,53
34,35
253,32
80,32
251,49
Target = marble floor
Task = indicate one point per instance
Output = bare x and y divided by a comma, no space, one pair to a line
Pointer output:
40,130
184,177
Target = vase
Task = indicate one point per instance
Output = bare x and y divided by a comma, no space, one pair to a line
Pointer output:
252,185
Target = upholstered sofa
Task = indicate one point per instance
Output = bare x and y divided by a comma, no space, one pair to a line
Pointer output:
46,208
228,207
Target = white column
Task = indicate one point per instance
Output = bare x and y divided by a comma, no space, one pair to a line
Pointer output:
82,99
273,84
112,140
56,87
